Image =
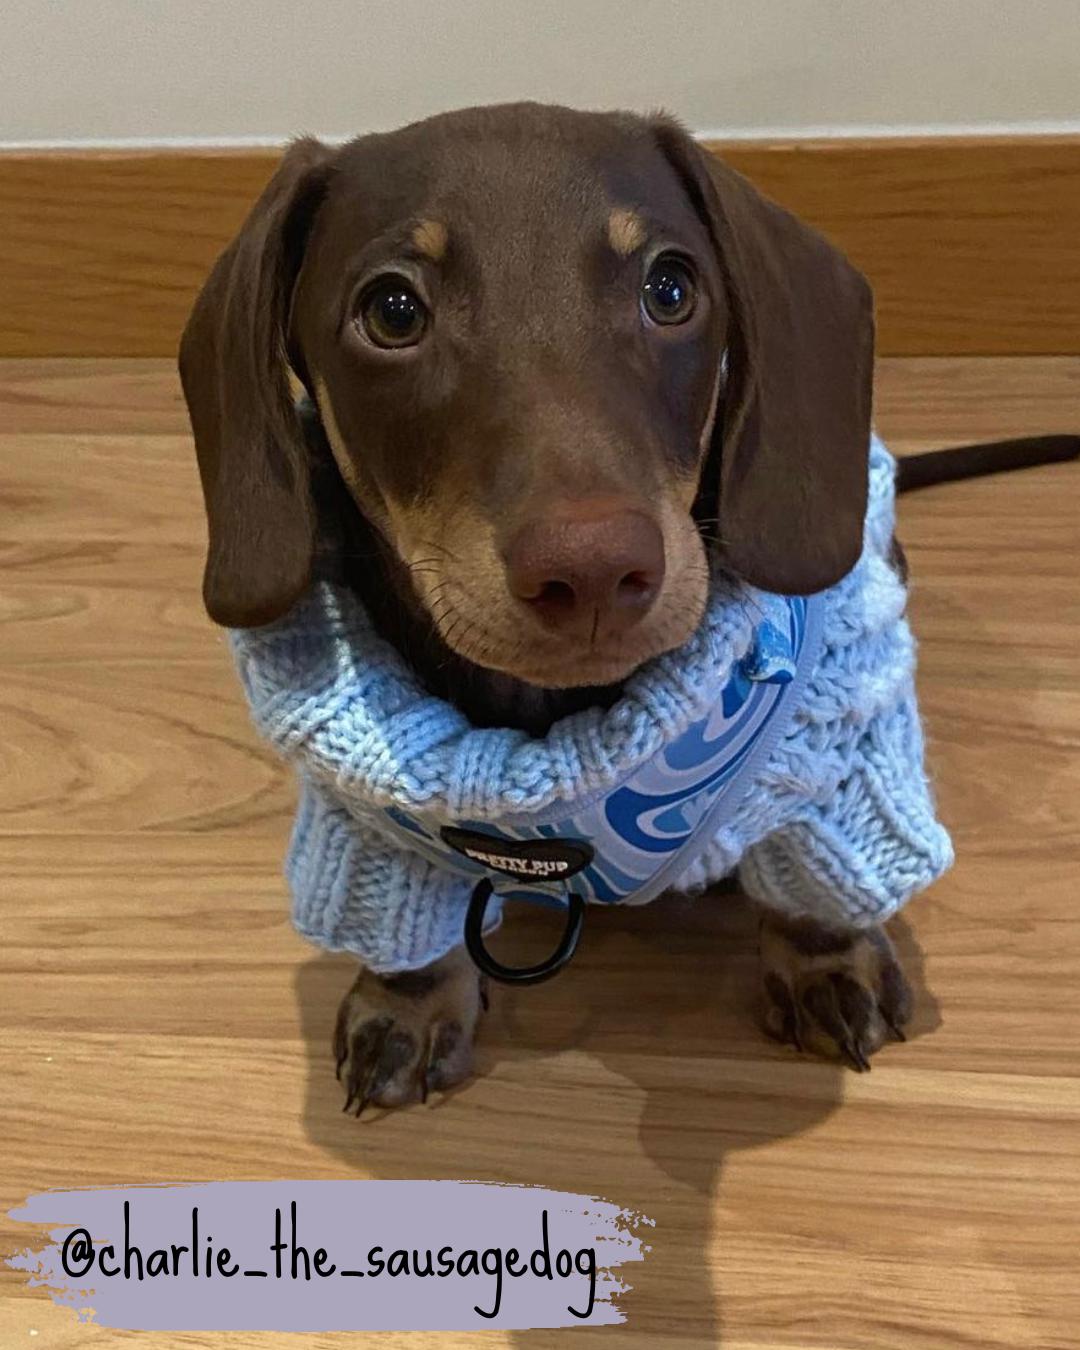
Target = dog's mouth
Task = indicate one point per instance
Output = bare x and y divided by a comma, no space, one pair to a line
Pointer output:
552,641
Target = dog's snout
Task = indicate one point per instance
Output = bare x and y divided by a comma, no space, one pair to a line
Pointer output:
581,570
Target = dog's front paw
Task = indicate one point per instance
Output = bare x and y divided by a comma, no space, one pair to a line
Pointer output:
399,1037
839,994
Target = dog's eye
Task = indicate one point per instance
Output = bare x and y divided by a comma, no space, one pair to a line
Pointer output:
669,294
392,314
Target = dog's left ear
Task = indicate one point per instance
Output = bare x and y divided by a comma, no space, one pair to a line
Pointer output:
794,428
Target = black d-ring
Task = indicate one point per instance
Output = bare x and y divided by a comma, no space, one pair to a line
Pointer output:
474,941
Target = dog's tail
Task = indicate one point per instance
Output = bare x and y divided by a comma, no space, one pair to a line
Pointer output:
973,461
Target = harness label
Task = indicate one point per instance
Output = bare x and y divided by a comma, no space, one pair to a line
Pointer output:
526,859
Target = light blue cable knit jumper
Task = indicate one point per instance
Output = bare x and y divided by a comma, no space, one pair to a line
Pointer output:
823,806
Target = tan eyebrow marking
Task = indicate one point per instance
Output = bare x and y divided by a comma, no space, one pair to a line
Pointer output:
625,231
429,238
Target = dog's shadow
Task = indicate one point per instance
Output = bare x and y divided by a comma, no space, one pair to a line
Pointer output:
632,1076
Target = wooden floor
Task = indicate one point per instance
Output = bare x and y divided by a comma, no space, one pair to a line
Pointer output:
161,1022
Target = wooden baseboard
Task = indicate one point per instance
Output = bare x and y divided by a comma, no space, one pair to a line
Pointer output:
970,243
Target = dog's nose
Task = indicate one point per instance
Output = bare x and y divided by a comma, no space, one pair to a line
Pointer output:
582,572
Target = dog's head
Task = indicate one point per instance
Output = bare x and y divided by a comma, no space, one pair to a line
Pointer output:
553,353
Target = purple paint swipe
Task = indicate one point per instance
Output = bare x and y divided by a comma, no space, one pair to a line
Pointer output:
518,1256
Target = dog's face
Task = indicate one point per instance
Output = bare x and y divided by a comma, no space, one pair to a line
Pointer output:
513,339
552,352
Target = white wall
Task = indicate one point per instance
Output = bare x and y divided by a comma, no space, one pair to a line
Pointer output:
99,71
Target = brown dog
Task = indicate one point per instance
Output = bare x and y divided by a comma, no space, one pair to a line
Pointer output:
555,357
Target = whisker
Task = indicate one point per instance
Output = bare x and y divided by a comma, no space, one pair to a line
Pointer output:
441,548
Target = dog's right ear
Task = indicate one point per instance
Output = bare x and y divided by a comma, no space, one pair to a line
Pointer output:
794,427
235,373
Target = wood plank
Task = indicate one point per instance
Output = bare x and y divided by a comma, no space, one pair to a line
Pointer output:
160,1020
101,253
968,241
82,395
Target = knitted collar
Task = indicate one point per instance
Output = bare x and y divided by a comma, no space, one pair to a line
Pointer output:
611,806
617,799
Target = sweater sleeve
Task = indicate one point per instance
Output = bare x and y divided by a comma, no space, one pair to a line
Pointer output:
857,857
355,890
855,834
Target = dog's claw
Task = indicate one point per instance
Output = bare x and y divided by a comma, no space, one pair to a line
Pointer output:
856,1056
898,1032
367,1048
373,1070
